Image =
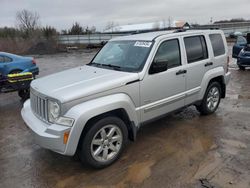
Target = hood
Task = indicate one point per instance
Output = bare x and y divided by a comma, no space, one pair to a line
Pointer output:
81,82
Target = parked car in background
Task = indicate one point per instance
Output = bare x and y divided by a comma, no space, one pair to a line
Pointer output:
235,34
241,42
241,51
11,63
16,83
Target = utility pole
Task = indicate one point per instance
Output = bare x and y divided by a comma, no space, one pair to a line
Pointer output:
164,23
211,20
169,22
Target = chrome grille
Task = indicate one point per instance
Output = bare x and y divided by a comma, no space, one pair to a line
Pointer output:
39,106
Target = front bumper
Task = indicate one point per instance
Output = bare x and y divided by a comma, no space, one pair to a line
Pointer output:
45,135
243,61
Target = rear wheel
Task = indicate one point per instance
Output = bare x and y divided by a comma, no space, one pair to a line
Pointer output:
241,67
211,99
103,143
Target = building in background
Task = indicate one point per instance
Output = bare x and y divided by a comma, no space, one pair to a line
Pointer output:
145,27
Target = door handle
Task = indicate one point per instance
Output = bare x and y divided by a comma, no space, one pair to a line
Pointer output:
181,72
208,64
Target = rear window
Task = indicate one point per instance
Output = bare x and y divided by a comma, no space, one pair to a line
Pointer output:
196,48
7,59
217,44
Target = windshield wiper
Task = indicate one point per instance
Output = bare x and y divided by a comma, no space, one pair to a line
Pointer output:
110,65
94,63
115,67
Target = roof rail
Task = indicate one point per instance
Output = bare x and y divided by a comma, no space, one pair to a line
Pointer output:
180,30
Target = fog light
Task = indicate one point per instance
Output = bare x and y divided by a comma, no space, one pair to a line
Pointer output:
65,137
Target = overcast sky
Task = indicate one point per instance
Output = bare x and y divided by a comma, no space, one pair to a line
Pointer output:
62,13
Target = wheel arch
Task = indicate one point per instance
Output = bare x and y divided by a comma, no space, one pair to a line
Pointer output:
119,105
15,70
216,74
120,113
220,80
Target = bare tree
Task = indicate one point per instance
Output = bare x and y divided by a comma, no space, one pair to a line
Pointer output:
27,20
49,32
76,29
111,26
64,32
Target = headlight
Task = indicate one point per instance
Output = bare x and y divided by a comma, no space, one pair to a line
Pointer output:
54,115
242,51
54,111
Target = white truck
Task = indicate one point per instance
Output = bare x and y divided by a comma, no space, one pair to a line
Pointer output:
96,108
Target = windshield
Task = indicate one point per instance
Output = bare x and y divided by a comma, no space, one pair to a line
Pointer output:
241,40
127,56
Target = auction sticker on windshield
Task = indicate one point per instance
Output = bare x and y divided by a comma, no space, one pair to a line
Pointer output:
143,44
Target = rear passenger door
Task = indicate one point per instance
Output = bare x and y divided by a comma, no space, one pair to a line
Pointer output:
197,63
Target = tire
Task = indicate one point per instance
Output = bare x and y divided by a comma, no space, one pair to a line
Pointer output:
24,94
241,67
99,150
211,99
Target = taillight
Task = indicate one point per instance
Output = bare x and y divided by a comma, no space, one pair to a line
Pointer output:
228,61
33,61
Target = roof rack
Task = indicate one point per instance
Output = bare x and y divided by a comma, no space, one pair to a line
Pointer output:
180,30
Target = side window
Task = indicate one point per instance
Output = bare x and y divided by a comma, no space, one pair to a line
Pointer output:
196,48
169,51
217,44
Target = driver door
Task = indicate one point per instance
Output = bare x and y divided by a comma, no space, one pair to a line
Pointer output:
162,92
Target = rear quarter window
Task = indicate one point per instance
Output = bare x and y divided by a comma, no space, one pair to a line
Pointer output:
7,59
196,48
217,44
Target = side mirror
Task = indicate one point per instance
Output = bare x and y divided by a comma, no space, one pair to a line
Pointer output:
159,65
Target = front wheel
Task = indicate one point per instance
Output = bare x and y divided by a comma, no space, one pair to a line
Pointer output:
24,94
241,67
103,143
211,99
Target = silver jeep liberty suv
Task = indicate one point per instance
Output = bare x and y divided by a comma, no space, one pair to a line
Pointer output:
96,108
